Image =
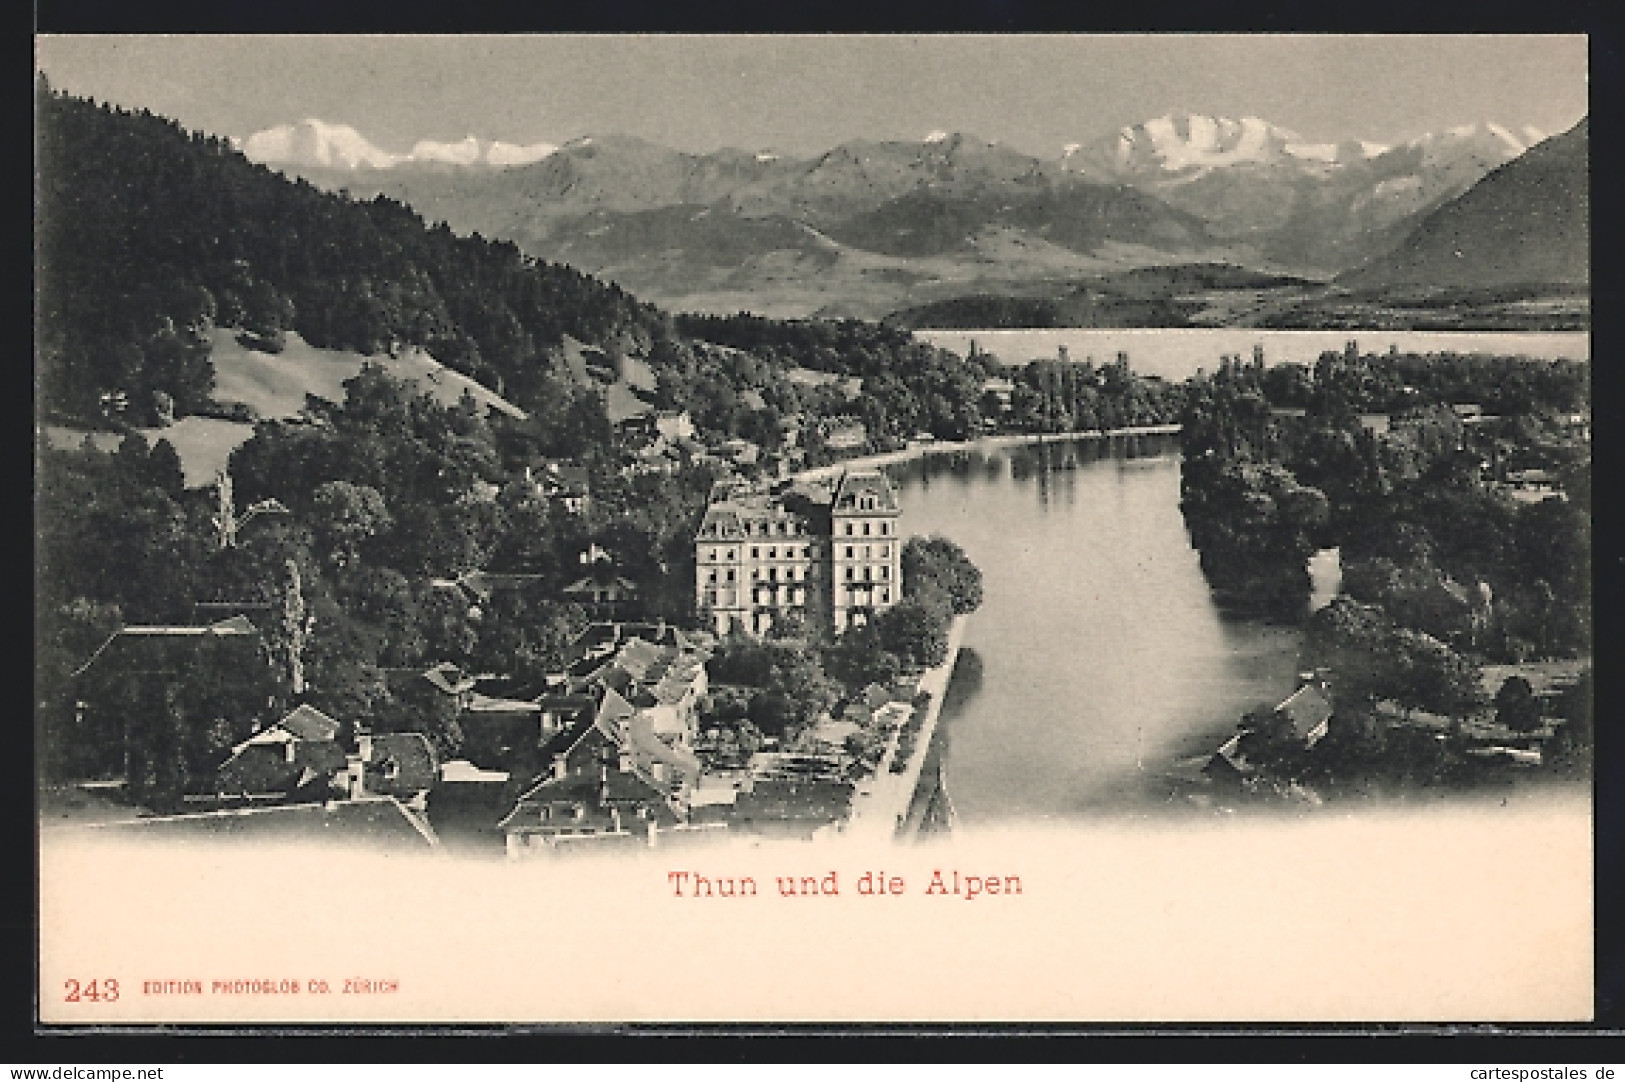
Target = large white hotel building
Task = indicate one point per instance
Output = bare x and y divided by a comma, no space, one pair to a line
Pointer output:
827,551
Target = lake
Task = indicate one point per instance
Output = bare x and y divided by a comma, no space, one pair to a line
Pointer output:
1098,659
1177,354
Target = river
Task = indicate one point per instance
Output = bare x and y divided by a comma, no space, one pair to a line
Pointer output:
1177,354
1098,659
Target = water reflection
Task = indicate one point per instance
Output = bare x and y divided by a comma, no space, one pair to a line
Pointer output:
1099,656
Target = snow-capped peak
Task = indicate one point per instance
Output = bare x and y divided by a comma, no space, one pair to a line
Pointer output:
322,144
317,143
1179,142
1179,147
500,153
466,152
1512,144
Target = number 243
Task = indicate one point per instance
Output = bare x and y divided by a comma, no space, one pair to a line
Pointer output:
102,991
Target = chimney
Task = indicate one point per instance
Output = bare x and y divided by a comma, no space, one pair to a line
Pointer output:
363,740
560,766
355,774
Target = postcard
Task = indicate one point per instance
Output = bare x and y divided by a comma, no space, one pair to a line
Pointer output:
578,530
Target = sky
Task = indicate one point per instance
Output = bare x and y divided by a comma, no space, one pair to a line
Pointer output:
804,94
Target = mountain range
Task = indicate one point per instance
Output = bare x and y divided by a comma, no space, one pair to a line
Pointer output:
1526,223
870,227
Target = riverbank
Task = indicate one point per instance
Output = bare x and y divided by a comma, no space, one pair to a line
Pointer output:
881,804
981,443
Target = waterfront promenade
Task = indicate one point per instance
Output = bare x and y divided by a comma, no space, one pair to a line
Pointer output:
943,447
881,804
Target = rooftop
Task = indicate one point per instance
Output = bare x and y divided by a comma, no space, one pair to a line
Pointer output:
858,486
367,819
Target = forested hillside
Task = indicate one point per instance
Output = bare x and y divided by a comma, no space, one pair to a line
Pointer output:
149,235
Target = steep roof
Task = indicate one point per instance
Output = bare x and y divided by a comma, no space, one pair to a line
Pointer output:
1229,758
409,757
618,586
644,661
644,742
308,723
490,704
854,485
612,709
264,767
147,643
1308,709
448,678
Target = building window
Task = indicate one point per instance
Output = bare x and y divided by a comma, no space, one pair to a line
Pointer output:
849,574
755,553
806,552
773,574
730,574
885,550
866,529
885,572
849,529
867,551
885,528
885,596
772,554
849,552
754,574
713,576
868,573
730,554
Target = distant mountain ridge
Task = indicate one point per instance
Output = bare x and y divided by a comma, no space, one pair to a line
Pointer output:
868,227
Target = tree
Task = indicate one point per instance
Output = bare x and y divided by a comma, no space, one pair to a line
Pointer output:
939,561
1516,706
915,631
1269,740
346,516
857,659
1349,637
1430,675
